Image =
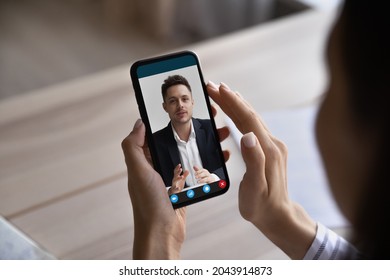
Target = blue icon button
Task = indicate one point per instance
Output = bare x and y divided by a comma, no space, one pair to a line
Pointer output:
206,188
174,198
190,193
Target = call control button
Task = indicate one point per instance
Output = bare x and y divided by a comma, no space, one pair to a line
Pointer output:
190,193
222,184
174,198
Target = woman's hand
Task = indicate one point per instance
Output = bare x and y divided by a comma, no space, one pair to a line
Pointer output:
159,230
263,194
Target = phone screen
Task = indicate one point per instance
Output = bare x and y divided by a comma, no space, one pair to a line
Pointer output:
180,128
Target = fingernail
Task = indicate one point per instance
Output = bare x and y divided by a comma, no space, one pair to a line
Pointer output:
249,140
137,123
225,86
212,85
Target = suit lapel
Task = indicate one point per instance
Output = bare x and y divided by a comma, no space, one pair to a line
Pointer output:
201,140
172,146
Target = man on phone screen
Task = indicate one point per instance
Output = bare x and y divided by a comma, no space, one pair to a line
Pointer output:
186,144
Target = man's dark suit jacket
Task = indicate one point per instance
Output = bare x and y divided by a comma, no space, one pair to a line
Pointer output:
168,152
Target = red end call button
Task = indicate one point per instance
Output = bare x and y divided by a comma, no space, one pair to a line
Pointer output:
222,184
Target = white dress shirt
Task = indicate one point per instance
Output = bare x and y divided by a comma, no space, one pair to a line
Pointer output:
327,245
189,156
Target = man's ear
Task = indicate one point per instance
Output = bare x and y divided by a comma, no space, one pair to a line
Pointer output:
164,106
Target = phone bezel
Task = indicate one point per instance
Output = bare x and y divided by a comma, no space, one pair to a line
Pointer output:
145,118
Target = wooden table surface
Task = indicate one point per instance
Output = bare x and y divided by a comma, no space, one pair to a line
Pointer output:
63,180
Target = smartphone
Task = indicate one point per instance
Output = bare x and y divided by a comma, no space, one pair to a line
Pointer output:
180,128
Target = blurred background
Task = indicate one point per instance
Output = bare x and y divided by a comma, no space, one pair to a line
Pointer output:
65,106
44,42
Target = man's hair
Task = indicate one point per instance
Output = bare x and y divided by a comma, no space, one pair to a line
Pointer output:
173,81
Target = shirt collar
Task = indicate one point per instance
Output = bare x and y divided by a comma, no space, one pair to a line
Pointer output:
192,134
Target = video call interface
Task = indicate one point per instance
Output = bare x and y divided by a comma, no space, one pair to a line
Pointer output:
192,107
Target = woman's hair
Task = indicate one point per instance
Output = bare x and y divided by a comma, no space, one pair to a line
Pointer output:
365,51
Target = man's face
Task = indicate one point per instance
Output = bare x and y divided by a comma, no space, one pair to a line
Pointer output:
179,104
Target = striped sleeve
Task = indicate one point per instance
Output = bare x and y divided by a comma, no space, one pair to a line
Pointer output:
327,245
